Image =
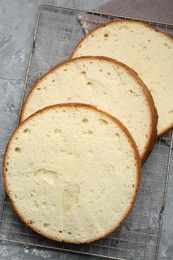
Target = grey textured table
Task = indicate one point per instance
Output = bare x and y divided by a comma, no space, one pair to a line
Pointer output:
17,21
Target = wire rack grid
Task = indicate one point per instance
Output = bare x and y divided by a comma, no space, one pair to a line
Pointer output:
58,30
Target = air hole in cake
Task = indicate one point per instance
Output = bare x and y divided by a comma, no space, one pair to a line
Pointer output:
69,233
106,35
103,121
35,205
89,83
83,73
60,231
90,132
85,120
38,88
90,152
116,135
69,98
26,130
65,69
108,73
32,194
57,131
17,150
53,80
46,224
31,222
100,70
124,28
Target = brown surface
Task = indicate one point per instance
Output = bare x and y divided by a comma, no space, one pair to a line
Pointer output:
117,122
152,10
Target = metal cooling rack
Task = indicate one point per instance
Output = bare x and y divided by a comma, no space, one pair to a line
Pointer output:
58,30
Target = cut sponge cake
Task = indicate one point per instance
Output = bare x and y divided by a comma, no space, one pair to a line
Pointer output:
72,172
146,50
106,84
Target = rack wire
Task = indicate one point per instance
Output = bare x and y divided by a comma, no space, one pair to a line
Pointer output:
57,31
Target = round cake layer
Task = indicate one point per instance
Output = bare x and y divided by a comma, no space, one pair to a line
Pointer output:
72,172
144,49
105,83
